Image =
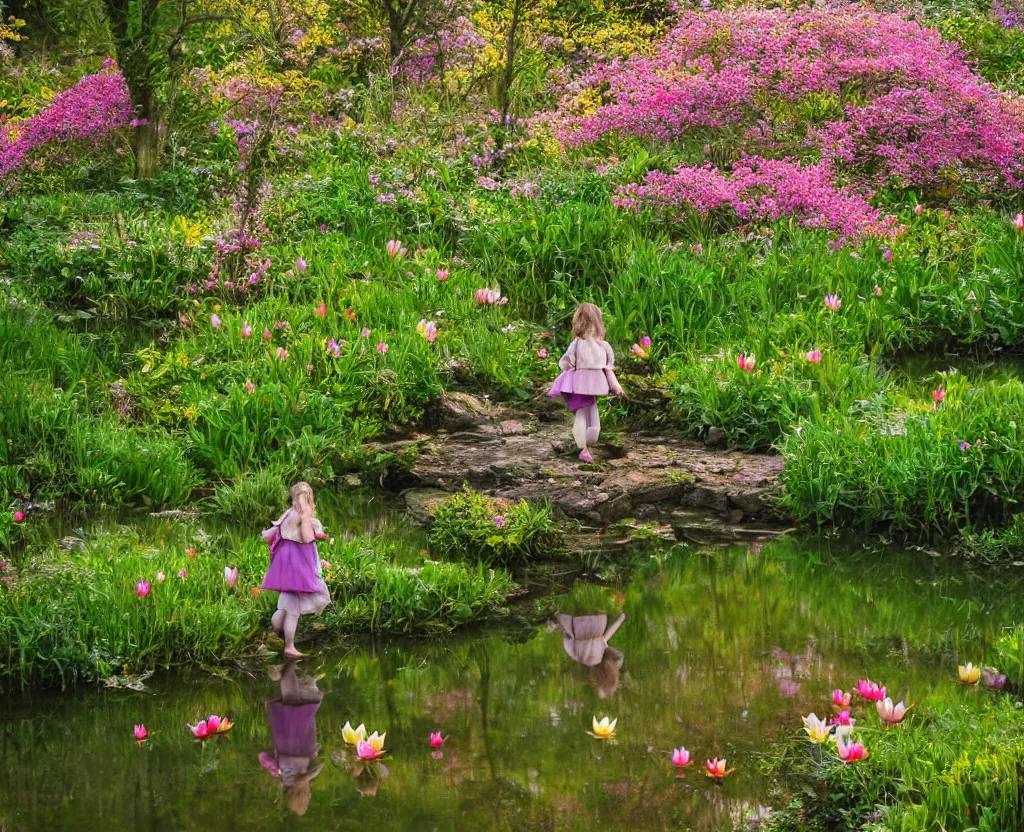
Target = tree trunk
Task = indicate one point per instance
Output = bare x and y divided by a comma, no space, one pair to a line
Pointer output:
508,72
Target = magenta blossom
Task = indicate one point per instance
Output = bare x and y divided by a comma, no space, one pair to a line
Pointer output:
215,320
499,520
542,353
814,357
246,330
266,335
645,342
140,732
1018,222
249,386
436,740
442,274
300,264
681,757
887,254
321,310
746,362
366,332
19,516
142,589
870,690
833,302
382,347
394,249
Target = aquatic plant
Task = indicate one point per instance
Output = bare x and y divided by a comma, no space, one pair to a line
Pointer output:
603,729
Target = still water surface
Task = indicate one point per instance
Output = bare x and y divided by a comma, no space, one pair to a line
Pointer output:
721,650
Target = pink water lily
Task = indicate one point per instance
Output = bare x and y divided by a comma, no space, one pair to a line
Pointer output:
717,768
215,320
833,302
442,274
993,679
870,690
889,713
814,357
681,757
850,752
368,751
436,740
246,330
840,700
140,732
746,362
231,575
321,310
142,589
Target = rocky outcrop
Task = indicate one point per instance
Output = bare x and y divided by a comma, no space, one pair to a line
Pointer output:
512,454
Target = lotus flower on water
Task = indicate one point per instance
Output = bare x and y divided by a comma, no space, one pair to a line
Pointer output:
141,733
351,735
681,757
817,729
367,752
717,768
969,674
870,690
605,729
850,752
889,713
211,727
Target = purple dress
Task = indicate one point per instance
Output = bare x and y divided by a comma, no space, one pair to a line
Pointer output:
293,728
580,387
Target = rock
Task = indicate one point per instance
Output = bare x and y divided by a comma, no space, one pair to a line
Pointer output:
421,503
511,427
715,438
455,411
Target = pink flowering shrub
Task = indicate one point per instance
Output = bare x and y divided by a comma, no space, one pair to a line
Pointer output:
431,57
763,189
92,109
883,99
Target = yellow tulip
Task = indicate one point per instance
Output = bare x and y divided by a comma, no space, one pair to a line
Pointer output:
817,729
376,740
351,735
969,674
604,730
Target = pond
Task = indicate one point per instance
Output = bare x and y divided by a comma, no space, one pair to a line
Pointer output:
721,651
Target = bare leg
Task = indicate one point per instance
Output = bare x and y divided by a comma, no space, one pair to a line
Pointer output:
290,694
291,623
277,622
593,424
579,429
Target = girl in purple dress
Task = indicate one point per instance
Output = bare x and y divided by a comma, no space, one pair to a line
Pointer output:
295,566
587,373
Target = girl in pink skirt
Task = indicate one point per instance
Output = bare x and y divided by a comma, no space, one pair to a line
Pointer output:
295,566
587,372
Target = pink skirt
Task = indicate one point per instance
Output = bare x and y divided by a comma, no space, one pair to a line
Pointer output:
580,388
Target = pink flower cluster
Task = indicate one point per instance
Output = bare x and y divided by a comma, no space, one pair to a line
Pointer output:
763,189
896,103
93,108
430,57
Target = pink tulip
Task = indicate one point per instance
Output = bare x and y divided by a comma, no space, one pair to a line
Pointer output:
300,264
697,249
382,347
334,348
213,724
282,353
367,752
321,310
246,330
183,573
639,351
889,713
746,362
542,353
442,274
499,520
325,565
140,732
877,292
645,342
436,740
939,396
814,356
870,690
842,718
680,757
266,335
918,209
160,577
19,516
1018,222
887,254
142,589
850,752
231,576
215,320
833,302
394,248
366,332
840,700
249,386
200,730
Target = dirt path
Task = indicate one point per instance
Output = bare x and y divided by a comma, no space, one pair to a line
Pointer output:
515,454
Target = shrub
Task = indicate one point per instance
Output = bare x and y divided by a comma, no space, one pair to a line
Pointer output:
253,499
481,528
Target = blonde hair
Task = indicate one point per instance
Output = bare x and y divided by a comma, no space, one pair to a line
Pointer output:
587,322
305,507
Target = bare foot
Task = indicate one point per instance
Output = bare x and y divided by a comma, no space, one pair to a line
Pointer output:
585,456
292,653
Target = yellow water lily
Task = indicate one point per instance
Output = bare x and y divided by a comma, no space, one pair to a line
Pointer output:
351,735
376,740
969,674
817,729
605,729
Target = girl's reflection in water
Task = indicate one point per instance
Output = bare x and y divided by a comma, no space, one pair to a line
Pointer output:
293,728
585,638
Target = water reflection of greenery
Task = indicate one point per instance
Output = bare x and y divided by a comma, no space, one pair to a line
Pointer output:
723,651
